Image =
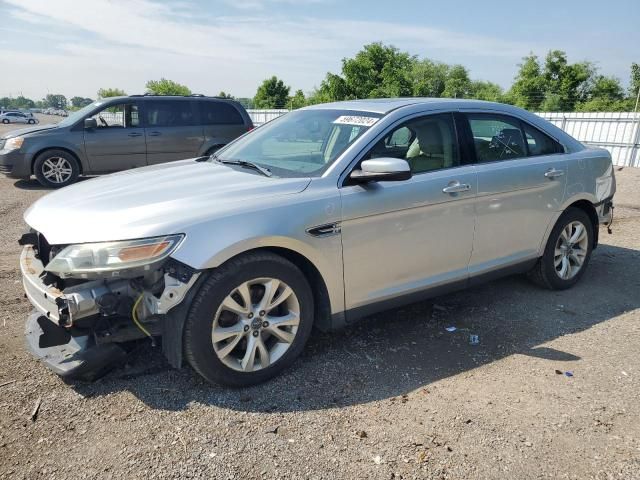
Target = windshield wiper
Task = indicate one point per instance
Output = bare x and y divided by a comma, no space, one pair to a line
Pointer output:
243,163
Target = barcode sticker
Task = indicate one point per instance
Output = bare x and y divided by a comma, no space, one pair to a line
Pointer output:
355,120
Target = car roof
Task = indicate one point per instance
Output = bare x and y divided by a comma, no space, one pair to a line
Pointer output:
386,105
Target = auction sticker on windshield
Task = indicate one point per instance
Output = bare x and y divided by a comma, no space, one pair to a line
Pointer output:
355,120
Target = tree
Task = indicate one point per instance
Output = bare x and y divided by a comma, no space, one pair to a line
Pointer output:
570,82
79,102
111,92
481,90
528,88
378,71
298,100
333,88
56,101
273,93
225,95
457,83
428,78
166,87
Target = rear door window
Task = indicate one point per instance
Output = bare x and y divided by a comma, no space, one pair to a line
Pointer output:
169,113
496,137
219,113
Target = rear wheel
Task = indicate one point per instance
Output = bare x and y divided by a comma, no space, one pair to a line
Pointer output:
56,168
567,253
31,121
249,321
5,120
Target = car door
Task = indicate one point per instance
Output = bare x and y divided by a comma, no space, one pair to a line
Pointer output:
117,142
172,129
401,238
521,184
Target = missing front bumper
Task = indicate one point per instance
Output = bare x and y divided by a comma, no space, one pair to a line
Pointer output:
69,355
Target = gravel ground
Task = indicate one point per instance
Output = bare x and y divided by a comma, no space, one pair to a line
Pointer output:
395,397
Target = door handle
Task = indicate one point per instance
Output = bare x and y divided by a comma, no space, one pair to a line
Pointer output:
135,134
154,134
456,187
553,173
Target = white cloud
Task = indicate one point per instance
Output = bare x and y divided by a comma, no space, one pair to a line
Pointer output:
127,43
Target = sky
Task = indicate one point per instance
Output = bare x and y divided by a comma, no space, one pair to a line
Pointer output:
75,47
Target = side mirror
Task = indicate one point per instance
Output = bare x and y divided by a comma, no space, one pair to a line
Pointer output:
381,170
90,123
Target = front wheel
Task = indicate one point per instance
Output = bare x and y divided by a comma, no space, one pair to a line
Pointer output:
567,253
31,122
249,321
56,168
5,121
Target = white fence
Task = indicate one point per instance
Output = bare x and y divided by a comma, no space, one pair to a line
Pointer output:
618,132
258,117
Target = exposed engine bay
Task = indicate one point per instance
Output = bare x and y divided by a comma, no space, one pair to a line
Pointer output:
80,325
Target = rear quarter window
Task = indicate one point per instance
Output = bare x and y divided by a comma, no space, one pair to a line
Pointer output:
220,113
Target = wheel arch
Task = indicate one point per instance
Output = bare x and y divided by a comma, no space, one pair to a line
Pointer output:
586,205
64,149
173,324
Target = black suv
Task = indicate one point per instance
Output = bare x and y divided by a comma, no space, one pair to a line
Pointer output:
120,133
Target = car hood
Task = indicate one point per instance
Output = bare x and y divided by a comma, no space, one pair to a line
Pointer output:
25,131
156,200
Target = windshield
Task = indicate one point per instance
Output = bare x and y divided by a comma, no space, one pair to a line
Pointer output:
302,143
75,116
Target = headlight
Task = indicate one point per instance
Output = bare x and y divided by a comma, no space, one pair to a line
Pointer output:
13,143
90,258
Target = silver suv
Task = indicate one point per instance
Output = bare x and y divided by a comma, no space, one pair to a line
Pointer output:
318,218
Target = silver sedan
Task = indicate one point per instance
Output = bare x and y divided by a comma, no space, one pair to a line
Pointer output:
317,218
17,117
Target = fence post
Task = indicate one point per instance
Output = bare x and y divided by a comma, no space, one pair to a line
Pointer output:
635,141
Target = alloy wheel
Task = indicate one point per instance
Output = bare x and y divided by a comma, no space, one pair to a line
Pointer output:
57,169
571,250
256,324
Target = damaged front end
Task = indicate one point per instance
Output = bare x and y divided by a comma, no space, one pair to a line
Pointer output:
91,299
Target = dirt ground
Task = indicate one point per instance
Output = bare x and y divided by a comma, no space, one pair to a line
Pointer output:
396,396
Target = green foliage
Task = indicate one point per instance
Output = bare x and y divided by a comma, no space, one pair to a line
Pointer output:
79,102
481,90
458,84
378,71
111,92
55,101
273,93
428,78
223,94
166,87
384,71
528,87
298,100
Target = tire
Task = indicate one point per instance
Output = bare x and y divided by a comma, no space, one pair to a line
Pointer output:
548,272
31,122
223,361
5,121
47,161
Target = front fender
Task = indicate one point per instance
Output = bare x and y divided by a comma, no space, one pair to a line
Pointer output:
76,148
